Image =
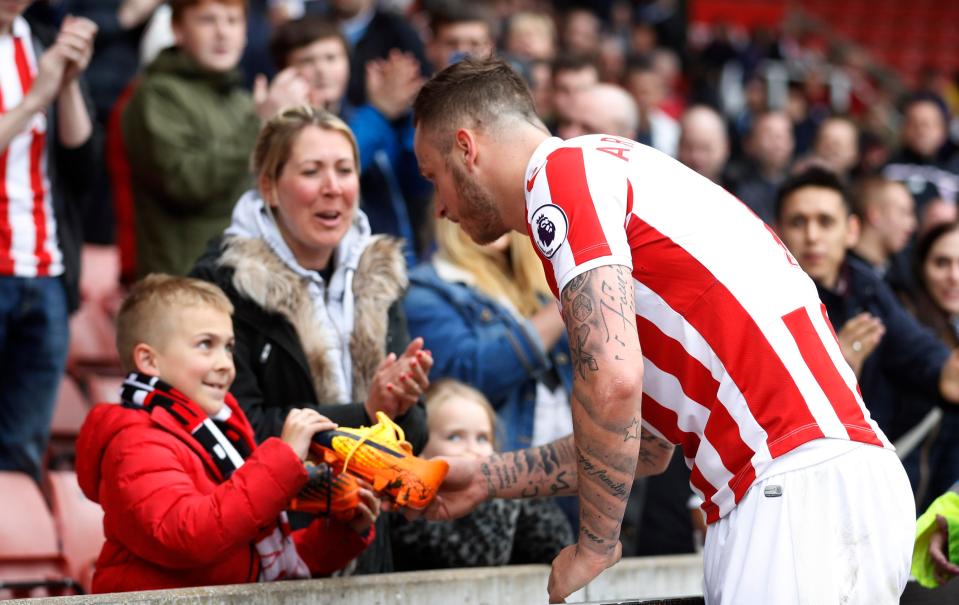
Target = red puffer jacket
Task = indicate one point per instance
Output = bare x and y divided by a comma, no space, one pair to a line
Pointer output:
167,521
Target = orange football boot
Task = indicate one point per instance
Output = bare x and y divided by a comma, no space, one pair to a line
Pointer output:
380,455
327,493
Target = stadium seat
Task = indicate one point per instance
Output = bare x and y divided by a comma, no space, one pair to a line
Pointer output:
103,388
92,340
30,557
79,522
70,411
68,416
100,275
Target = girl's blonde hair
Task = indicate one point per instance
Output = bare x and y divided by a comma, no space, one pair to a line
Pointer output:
274,144
516,276
445,389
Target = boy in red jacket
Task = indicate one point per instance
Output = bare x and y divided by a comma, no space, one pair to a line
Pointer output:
188,497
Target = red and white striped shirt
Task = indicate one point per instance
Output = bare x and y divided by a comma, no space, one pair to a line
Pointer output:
741,364
28,233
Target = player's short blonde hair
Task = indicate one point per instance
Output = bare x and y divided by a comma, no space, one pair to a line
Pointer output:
155,302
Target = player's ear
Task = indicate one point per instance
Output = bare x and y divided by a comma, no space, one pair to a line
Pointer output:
465,148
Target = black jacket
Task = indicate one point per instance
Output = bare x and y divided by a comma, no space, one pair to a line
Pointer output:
900,379
272,372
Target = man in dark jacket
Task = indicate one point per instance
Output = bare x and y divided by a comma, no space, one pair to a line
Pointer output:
893,355
46,155
927,163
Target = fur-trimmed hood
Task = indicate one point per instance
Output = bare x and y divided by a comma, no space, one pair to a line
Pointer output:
376,279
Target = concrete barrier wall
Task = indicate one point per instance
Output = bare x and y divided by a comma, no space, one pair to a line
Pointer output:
638,578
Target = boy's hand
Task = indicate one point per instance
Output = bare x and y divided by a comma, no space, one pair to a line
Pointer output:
300,426
366,511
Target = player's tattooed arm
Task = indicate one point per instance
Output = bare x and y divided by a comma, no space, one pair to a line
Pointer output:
654,454
547,470
553,469
599,312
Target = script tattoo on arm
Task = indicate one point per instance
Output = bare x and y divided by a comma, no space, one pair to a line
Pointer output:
547,470
598,307
654,454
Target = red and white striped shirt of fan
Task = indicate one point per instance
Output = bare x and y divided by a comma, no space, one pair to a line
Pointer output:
28,234
742,368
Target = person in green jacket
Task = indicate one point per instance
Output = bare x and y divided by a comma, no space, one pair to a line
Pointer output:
189,129
935,559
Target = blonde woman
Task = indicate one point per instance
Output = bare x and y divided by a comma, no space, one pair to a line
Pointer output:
484,311
317,317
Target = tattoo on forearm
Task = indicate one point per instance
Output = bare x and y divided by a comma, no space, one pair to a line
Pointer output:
633,430
577,282
487,474
590,535
582,359
544,470
582,307
559,484
588,468
653,449
548,459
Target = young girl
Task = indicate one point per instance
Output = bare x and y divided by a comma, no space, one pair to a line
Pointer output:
461,422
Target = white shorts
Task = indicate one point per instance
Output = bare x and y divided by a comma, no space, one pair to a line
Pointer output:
839,532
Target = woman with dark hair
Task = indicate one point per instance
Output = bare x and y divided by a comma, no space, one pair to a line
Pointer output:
934,466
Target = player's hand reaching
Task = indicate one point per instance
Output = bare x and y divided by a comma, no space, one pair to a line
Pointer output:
575,567
464,489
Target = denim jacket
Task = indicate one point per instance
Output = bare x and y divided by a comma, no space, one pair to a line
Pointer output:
481,343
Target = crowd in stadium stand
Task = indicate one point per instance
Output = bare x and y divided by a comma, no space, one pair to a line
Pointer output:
129,126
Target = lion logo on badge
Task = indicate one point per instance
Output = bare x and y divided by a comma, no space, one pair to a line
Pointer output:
546,230
549,227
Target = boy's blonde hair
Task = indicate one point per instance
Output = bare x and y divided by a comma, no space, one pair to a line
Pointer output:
519,278
147,313
445,389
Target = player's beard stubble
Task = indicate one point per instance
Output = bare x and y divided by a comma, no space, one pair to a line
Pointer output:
479,217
